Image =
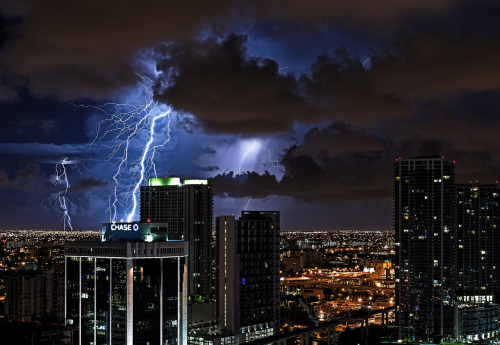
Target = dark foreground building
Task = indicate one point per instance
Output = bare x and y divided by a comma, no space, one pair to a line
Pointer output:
249,273
447,253
424,223
129,288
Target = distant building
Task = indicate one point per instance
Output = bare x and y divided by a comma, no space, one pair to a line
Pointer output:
186,209
34,296
425,243
129,288
292,263
312,257
249,273
478,220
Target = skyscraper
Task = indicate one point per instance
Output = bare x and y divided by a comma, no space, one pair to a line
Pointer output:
186,209
129,288
425,235
478,221
248,267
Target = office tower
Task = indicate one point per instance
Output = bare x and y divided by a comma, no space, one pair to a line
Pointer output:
424,223
249,273
478,253
129,288
186,209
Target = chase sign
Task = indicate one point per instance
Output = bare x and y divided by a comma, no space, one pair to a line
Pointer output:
124,227
133,231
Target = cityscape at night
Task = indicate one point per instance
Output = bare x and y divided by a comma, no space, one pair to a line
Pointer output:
250,172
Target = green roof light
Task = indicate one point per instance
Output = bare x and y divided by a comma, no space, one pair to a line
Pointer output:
165,181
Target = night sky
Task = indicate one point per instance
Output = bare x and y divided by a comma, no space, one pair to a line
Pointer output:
297,106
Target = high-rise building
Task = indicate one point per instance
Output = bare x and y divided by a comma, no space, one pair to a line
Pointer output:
129,288
248,274
478,230
425,235
185,207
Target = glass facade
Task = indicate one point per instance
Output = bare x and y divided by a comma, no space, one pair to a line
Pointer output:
125,300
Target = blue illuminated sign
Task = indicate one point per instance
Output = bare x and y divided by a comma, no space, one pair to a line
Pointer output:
126,231
124,227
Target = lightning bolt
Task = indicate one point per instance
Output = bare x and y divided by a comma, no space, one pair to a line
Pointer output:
151,150
60,177
367,63
248,203
121,132
276,163
253,147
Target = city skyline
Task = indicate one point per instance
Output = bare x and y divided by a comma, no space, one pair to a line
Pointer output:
292,107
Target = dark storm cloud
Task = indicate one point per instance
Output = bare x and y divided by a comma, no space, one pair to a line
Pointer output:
41,149
339,180
28,177
246,184
8,88
341,86
210,168
229,92
46,125
379,16
431,65
446,125
7,93
84,184
339,138
4,179
324,168
426,65
31,177
88,49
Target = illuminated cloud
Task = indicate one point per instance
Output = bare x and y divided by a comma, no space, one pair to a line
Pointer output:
228,91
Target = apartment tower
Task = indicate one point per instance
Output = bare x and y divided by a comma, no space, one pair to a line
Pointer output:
425,242
248,274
